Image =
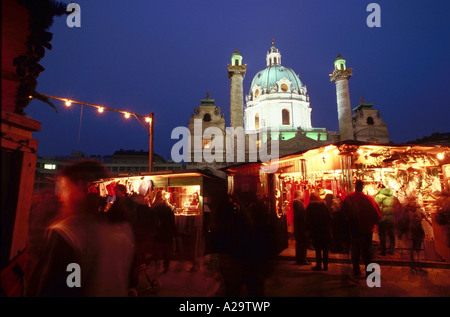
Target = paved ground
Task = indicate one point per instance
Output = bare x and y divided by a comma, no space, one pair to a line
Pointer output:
290,280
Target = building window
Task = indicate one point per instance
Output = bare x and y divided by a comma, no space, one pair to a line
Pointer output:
370,120
207,117
257,121
285,117
50,166
206,143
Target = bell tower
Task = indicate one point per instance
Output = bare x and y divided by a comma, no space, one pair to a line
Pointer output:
236,73
340,77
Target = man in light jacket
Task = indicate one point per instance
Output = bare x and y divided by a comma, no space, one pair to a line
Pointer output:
386,227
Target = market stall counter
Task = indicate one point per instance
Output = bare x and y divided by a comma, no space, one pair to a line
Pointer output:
188,193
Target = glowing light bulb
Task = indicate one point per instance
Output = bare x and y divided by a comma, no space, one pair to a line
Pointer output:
127,115
440,156
148,119
68,103
100,109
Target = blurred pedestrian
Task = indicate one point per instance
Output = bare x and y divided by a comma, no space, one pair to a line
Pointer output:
301,240
226,239
402,221
165,229
82,234
142,224
254,244
318,224
362,214
417,236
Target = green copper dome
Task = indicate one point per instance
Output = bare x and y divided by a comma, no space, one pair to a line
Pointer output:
269,77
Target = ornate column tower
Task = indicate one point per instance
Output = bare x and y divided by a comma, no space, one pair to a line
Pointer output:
340,77
236,73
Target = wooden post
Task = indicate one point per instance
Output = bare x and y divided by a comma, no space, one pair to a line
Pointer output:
150,147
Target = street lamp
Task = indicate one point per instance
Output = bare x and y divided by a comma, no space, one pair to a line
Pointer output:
149,129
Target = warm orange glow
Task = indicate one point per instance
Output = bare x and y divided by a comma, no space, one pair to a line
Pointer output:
148,119
100,109
68,103
127,115
440,156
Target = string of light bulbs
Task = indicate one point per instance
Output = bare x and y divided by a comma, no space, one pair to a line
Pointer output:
126,114
101,109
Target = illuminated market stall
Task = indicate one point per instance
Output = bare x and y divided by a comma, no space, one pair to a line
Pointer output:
190,193
418,174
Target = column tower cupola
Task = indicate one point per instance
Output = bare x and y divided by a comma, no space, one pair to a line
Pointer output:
236,74
340,76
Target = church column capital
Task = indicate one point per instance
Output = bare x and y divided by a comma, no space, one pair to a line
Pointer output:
237,70
339,74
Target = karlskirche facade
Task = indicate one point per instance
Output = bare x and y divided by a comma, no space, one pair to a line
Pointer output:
276,109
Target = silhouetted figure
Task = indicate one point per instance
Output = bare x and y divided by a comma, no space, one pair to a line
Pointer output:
341,239
301,239
318,224
165,229
225,241
254,245
143,225
417,236
362,213
84,235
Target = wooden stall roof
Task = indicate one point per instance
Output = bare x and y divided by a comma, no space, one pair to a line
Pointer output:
348,147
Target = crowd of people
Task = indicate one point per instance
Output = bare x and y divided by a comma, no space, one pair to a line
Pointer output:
330,224
108,241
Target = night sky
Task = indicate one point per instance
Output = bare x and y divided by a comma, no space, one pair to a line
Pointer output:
162,57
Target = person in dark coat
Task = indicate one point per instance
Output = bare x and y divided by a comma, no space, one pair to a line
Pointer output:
165,229
318,224
300,229
362,213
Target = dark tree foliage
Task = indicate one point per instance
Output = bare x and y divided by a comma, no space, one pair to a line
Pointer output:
28,69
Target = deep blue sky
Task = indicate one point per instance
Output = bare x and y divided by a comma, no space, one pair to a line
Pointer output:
162,57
